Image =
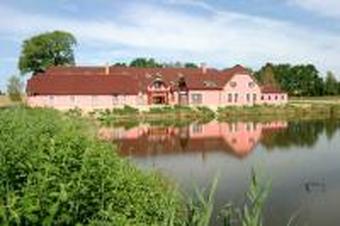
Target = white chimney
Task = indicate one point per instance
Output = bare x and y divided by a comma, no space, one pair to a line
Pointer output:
107,69
204,68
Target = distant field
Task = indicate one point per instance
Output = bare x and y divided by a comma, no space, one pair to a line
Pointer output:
323,100
5,101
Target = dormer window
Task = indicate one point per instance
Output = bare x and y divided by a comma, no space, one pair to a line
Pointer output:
251,84
157,85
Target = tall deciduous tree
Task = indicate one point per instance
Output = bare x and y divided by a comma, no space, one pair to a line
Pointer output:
14,88
331,84
267,76
48,49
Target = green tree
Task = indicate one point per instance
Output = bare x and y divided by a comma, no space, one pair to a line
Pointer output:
48,49
118,64
267,76
14,88
331,84
190,65
297,80
145,63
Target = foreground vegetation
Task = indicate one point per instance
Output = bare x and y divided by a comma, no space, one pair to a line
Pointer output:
53,171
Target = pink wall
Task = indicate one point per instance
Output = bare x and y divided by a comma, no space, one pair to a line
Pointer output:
209,97
86,102
239,87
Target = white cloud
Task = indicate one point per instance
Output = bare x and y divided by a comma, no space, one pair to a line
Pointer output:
222,37
328,8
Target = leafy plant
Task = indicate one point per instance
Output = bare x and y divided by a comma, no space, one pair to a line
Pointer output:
14,88
52,173
250,214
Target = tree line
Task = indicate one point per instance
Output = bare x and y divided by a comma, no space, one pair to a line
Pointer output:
57,49
298,80
152,63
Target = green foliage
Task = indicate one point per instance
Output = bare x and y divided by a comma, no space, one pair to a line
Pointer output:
14,88
51,173
200,209
206,111
152,63
145,63
190,65
45,50
250,214
331,84
267,76
297,80
75,112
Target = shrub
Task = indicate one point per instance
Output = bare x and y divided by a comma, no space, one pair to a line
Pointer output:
75,112
14,88
51,173
206,111
130,110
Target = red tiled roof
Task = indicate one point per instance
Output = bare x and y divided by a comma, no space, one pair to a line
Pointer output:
270,89
122,80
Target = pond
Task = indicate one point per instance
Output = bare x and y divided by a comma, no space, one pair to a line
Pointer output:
300,158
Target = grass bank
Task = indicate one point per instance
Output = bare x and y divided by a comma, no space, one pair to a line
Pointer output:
182,115
167,115
289,111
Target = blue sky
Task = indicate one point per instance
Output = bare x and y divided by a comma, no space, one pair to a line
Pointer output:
219,32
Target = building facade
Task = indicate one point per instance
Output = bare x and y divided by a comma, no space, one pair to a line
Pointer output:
91,88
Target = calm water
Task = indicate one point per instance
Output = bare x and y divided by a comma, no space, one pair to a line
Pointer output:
302,160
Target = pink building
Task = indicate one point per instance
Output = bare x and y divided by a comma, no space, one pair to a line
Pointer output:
91,88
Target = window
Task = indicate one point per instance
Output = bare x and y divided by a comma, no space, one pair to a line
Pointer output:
157,85
269,97
50,100
72,99
248,127
248,97
114,100
196,98
251,84
233,84
197,128
254,97
122,99
283,97
262,97
94,100
235,97
276,97
230,97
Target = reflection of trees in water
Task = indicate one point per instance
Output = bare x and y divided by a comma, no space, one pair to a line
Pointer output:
300,134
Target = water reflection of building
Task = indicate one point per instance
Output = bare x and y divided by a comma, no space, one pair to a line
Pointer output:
238,138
